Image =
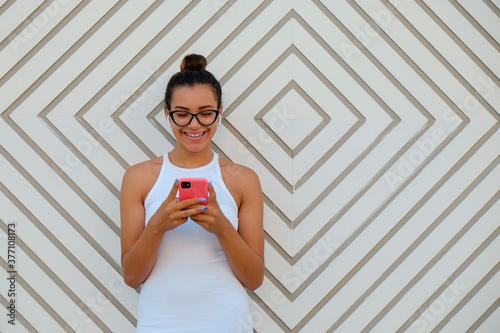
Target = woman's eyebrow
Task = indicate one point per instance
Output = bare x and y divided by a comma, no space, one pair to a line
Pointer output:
180,107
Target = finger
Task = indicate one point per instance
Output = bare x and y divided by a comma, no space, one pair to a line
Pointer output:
180,221
212,201
211,191
199,217
188,203
194,213
173,191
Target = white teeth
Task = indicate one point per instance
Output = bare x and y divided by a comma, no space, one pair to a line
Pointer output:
194,135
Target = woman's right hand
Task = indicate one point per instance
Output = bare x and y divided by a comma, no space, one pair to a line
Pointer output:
139,242
172,212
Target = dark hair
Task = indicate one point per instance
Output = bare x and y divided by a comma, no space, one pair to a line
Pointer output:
193,72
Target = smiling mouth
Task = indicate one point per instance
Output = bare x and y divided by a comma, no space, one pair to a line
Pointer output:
194,135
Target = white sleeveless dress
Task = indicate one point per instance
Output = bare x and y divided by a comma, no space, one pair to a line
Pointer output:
191,287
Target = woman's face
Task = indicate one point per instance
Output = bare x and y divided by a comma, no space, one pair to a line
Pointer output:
198,100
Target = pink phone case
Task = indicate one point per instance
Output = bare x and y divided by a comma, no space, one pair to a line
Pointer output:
193,188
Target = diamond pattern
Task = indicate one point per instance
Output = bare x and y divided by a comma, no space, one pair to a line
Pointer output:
373,126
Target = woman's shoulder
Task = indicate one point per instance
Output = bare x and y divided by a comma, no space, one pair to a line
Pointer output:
240,180
141,177
144,169
239,172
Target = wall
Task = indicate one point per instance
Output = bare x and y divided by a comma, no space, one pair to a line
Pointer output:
373,125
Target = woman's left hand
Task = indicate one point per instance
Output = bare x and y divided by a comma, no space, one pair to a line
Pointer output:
212,219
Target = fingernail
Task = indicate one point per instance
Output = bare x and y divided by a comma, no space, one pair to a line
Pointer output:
204,208
176,180
210,183
202,199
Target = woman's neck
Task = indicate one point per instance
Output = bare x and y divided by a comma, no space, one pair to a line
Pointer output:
187,159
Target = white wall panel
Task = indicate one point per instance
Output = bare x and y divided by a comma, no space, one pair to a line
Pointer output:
373,126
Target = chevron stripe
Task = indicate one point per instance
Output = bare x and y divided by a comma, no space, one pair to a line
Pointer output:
373,126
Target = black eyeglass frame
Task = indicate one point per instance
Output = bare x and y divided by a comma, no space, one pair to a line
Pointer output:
194,115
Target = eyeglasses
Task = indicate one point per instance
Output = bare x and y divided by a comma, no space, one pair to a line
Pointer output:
184,118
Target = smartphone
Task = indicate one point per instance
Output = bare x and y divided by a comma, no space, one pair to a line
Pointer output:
193,188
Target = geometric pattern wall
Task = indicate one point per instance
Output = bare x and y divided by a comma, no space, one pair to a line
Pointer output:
373,126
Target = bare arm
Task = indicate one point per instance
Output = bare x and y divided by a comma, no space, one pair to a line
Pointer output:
244,248
140,243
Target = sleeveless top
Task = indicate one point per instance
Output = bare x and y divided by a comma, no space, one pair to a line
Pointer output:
191,287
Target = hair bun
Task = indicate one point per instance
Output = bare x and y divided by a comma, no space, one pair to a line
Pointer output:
193,62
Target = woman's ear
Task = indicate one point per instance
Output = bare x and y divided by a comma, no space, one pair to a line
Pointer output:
167,116
220,116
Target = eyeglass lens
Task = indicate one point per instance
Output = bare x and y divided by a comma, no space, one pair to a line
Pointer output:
183,118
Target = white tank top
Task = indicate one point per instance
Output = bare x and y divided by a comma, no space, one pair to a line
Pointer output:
191,287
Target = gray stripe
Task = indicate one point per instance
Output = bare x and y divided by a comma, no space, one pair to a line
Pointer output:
236,32
437,90
476,25
277,284
270,168
33,294
60,284
20,319
60,209
441,253
291,50
443,60
34,86
159,72
241,138
61,173
361,118
331,294
459,270
304,250
276,210
151,117
373,145
3,9
492,6
17,31
469,295
43,114
457,40
263,41
398,226
145,50
344,175
345,209
91,167
57,243
252,87
485,316
37,48
292,85
362,84
381,208
362,227
277,320
80,114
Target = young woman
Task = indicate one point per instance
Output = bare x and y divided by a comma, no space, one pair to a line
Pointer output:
193,261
